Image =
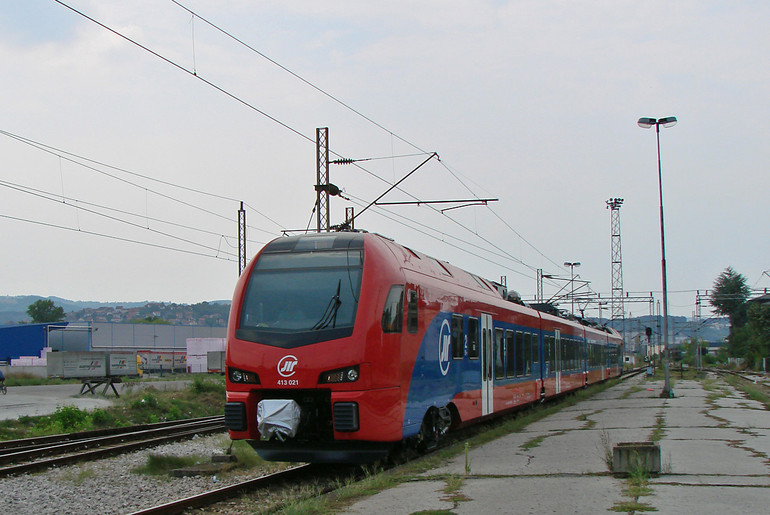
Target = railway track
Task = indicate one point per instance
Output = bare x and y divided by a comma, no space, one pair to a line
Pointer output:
32,454
228,492
325,474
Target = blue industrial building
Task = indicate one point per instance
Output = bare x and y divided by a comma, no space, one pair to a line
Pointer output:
25,339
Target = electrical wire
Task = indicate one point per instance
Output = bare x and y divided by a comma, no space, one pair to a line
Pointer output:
67,200
299,77
109,217
72,158
113,237
276,120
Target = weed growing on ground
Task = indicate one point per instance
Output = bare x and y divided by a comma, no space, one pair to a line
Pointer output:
533,442
606,449
637,485
159,465
660,429
454,484
78,476
753,391
204,397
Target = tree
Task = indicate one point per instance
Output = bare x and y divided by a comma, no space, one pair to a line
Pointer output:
150,320
42,311
729,297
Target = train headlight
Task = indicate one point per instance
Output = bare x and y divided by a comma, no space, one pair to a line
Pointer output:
242,376
340,375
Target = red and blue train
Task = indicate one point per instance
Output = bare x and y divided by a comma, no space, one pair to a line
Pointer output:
342,346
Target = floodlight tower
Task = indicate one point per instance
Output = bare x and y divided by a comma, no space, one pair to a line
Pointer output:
618,313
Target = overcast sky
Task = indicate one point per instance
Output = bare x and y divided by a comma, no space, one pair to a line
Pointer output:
534,103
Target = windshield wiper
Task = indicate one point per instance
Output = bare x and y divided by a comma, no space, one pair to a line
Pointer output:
329,316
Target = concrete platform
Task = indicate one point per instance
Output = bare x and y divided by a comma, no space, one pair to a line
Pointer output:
715,446
44,399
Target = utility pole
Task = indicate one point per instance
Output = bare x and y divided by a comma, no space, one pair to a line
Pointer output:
322,178
572,265
618,312
539,294
241,240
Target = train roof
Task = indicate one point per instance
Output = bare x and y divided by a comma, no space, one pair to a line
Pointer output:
423,263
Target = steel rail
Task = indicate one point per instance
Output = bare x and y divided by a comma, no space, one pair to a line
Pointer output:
150,439
226,492
41,441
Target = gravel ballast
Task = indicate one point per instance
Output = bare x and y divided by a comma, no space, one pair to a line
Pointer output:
109,485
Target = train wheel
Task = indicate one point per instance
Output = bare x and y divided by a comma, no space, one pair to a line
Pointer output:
434,426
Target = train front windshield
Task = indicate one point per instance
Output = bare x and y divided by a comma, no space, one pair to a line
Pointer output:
299,298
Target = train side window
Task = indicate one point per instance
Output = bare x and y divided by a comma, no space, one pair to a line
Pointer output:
457,337
473,338
411,313
535,351
509,354
393,313
499,354
520,353
527,358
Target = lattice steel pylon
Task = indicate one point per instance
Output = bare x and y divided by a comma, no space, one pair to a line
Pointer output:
618,313
322,178
241,240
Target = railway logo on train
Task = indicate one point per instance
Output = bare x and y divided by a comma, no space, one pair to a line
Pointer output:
397,349
444,345
286,366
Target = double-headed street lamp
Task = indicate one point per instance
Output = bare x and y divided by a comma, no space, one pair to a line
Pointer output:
572,281
646,123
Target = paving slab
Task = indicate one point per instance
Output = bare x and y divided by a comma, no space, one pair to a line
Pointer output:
714,453
531,495
748,418
708,500
405,499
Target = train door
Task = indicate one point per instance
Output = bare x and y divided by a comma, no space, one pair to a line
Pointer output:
487,364
557,360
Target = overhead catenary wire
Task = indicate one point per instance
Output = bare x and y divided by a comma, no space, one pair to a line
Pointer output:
276,120
359,113
112,237
299,77
54,198
73,158
75,204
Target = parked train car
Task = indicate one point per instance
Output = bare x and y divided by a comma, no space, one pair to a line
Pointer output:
344,345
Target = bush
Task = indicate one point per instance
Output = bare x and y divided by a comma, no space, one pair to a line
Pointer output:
103,418
204,384
70,418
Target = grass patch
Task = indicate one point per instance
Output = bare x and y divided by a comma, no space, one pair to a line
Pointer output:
606,450
205,396
660,429
632,507
632,390
158,465
589,423
24,379
80,476
637,485
753,391
533,442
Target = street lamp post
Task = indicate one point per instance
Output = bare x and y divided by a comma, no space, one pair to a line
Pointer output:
647,123
572,281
